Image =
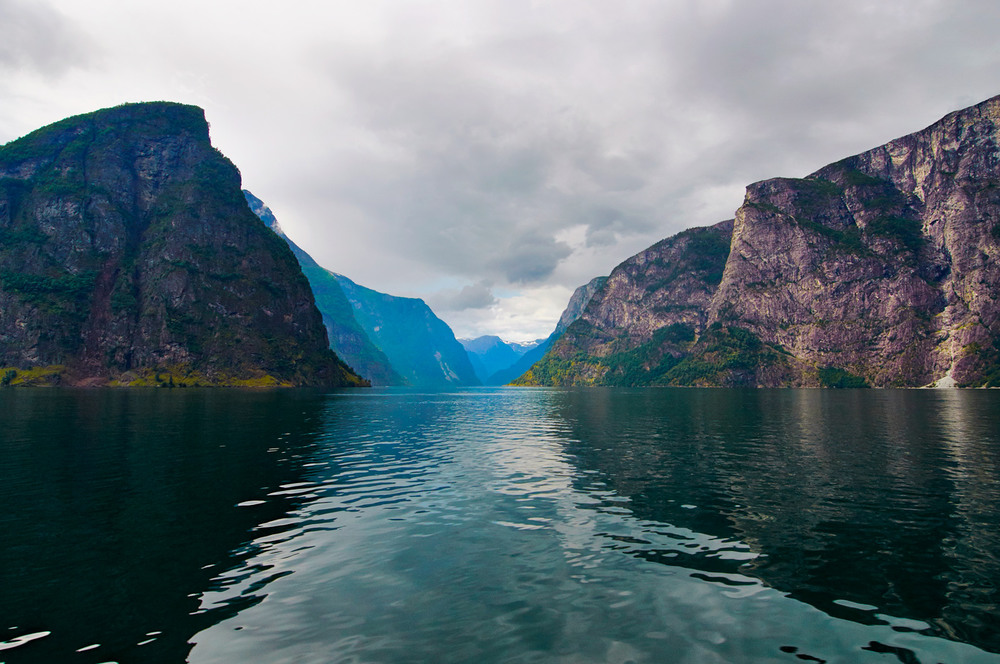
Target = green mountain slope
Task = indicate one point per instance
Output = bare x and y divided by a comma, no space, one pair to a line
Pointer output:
420,346
346,336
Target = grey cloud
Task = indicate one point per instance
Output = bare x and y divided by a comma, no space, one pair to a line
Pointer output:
475,150
530,258
472,296
601,237
37,37
801,84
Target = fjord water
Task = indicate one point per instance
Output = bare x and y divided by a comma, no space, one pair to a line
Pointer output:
499,525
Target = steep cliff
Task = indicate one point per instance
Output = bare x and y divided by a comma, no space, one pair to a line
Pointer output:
420,346
128,256
347,339
643,318
578,303
880,269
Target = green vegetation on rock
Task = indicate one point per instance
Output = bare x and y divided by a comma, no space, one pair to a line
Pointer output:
726,356
840,378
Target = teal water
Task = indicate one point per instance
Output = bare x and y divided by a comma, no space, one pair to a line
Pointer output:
499,525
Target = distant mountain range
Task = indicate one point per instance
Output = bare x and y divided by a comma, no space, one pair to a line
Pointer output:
527,355
490,354
882,269
391,341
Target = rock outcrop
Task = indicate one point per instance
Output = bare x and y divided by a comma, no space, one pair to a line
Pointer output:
641,317
881,269
578,303
128,256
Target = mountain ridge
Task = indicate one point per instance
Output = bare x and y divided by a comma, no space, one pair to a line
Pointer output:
879,269
418,349
420,346
346,337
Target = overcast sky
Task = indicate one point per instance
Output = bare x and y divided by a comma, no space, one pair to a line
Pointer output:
491,156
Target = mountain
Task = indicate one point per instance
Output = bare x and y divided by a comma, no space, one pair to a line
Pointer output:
347,339
574,309
881,269
489,354
420,346
128,256
391,341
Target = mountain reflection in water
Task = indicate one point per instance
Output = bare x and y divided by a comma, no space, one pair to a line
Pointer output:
500,525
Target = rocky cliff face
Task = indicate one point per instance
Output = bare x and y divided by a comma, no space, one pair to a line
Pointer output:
128,256
880,269
347,338
578,303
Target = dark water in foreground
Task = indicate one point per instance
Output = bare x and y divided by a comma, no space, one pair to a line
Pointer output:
499,525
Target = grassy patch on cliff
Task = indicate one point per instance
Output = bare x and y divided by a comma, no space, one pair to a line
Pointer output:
704,253
988,360
46,141
840,378
708,250
647,363
34,376
556,371
895,220
724,356
906,232
65,297
818,201
183,375
33,287
22,234
815,196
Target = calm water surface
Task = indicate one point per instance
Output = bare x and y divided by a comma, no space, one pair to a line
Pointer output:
499,525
